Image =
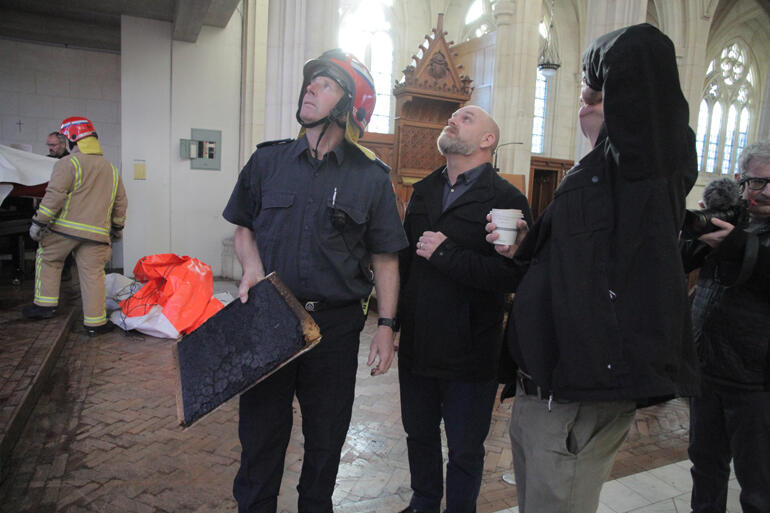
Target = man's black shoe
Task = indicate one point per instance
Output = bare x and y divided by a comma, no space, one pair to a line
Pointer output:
94,331
37,312
410,509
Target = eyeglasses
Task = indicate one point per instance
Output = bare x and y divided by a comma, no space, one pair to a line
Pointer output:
755,184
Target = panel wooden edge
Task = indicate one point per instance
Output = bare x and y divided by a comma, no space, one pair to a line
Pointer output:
310,330
178,379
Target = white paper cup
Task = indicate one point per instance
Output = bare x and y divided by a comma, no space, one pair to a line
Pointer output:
505,219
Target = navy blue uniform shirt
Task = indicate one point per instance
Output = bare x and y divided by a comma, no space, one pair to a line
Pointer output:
317,223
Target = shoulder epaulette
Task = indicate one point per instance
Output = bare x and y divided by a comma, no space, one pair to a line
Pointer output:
383,165
265,144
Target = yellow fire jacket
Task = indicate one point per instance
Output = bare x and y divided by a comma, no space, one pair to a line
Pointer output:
85,197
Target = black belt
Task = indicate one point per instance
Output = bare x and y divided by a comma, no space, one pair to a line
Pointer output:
319,306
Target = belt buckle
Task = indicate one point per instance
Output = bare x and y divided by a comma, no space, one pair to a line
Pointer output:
310,306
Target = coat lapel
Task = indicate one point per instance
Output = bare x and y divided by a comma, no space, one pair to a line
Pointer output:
431,188
481,191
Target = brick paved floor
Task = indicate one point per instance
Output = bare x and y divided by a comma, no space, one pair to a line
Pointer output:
103,437
28,351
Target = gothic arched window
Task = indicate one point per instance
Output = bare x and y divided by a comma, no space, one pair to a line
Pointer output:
538,120
478,20
366,33
725,112
541,97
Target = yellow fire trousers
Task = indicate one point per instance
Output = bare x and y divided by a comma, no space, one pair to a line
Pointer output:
90,258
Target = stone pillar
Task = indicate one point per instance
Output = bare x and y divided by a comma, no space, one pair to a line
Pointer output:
323,24
253,74
298,30
763,134
688,24
603,16
516,54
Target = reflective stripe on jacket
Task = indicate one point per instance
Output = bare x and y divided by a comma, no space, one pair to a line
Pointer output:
85,198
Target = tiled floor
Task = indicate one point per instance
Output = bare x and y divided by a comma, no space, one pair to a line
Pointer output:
103,437
665,489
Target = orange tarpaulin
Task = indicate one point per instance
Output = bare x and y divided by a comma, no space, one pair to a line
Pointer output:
181,285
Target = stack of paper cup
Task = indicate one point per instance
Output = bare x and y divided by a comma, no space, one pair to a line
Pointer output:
505,219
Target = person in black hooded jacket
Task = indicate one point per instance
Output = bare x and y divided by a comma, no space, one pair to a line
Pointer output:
600,322
731,321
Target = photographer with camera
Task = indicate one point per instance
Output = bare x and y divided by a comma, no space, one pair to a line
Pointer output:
731,325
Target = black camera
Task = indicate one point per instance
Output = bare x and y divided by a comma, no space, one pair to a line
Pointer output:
722,199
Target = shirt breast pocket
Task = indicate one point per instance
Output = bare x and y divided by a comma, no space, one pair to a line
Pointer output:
345,226
274,212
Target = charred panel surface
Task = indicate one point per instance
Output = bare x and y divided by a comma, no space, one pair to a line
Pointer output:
240,346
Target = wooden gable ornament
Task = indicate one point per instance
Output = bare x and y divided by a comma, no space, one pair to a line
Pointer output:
434,73
431,89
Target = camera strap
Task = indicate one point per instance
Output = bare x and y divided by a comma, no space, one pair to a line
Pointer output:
749,259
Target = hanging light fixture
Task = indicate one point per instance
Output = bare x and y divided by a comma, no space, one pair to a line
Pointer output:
549,62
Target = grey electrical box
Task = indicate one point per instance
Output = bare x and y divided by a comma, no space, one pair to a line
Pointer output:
204,149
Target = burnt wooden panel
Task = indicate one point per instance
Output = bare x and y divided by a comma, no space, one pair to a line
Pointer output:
238,347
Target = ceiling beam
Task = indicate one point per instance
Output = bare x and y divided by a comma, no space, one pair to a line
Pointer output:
162,10
188,19
53,29
221,11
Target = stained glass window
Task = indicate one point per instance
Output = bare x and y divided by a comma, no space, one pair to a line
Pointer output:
724,117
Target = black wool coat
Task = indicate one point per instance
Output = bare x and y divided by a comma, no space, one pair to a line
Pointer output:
451,306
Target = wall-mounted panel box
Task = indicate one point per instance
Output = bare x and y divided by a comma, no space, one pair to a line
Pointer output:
204,149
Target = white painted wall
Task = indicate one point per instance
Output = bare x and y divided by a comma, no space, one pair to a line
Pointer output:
146,128
40,85
170,87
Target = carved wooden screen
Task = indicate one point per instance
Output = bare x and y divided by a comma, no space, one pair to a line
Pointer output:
430,91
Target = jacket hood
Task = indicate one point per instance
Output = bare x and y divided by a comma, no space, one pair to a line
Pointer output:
646,116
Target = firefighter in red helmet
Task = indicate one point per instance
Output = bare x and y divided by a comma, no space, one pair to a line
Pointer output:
321,212
83,210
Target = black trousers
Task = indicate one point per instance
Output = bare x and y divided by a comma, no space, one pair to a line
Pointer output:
728,423
466,408
323,380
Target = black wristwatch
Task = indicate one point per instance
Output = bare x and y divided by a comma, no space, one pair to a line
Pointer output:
390,323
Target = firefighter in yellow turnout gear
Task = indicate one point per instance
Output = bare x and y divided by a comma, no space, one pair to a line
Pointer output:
83,209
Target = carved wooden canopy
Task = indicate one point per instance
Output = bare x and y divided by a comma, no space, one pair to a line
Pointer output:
431,89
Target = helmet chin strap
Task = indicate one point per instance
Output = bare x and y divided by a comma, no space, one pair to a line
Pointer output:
333,115
327,122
